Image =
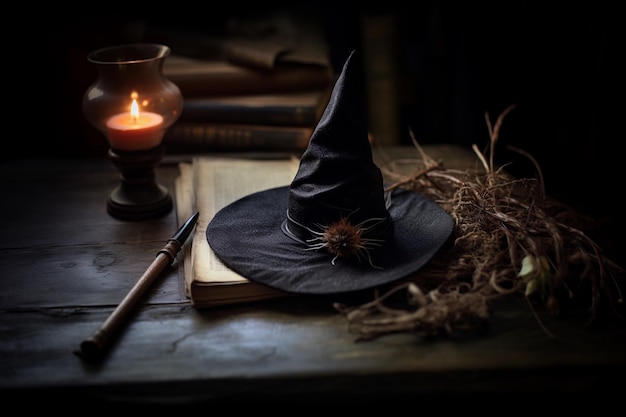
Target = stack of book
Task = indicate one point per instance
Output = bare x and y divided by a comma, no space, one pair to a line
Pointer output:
248,97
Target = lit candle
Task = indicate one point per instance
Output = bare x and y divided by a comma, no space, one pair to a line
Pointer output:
134,131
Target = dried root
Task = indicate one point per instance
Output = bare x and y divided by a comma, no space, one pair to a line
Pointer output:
509,239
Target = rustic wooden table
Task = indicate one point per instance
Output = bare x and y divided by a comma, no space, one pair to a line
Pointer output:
65,264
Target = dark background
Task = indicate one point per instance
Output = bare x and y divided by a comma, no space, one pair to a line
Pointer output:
560,65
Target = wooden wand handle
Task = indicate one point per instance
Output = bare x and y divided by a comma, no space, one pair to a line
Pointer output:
94,345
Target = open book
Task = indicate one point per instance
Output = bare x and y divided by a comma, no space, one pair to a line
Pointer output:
206,185
209,183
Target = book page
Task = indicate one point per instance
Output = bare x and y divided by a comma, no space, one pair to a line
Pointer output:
217,183
185,203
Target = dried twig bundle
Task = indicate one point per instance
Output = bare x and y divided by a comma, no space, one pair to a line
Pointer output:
509,239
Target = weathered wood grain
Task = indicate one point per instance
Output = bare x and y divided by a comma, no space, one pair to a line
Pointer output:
65,264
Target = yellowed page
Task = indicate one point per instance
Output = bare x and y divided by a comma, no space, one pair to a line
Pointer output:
217,183
185,204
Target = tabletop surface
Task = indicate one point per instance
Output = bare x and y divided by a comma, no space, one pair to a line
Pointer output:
65,265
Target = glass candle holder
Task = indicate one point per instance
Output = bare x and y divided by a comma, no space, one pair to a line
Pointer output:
132,104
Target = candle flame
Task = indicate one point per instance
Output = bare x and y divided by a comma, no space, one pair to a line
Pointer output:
134,111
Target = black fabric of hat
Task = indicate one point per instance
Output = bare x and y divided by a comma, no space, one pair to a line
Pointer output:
333,229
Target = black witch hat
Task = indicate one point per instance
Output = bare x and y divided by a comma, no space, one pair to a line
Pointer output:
334,229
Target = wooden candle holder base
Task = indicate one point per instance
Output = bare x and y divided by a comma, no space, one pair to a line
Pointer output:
138,196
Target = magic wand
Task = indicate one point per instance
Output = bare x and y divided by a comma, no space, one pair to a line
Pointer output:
94,345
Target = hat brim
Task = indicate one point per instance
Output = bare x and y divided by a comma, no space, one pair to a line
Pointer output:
246,235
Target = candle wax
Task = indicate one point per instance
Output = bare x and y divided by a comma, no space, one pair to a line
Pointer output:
129,133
